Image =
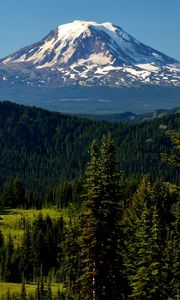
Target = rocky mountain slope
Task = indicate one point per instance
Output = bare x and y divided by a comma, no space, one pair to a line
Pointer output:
89,54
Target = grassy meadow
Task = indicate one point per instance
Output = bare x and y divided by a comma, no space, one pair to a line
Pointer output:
12,221
30,288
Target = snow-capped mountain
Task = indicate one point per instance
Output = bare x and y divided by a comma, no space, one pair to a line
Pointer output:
88,53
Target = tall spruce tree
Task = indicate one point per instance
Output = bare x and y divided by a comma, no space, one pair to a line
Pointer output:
112,282
101,235
89,241
156,268
140,279
132,220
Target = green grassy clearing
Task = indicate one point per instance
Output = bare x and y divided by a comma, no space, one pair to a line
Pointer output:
12,221
30,288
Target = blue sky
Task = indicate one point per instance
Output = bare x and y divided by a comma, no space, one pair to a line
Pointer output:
154,22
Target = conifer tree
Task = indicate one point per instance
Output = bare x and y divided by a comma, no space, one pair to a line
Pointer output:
19,192
140,279
157,284
88,242
8,195
145,234
70,259
101,236
132,221
8,263
23,291
112,282
26,257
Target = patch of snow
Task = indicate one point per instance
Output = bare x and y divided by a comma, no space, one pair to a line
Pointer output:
99,59
148,67
145,75
157,56
7,60
31,50
173,68
133,71
73,30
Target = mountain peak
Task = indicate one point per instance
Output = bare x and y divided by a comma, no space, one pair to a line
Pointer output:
91,53
77,27
85,24
74,29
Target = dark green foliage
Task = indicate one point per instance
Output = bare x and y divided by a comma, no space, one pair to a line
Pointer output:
70,262
7,261
127,245
88,241
149,255
174,159
43,147
46,236
174,262
68,192
147,252
26,261
13,194
38,253
101,235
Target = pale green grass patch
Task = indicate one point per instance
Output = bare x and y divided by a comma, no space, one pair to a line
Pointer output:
15,288
30,288
12,221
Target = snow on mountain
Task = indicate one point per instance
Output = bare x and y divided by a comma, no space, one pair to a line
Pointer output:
88,53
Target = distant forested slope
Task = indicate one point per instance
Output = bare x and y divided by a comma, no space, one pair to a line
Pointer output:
42,147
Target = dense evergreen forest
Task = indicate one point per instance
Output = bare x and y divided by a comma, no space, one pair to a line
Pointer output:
114,188
42,147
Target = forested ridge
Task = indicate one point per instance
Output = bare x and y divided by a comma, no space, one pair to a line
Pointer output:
88,210
43,147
